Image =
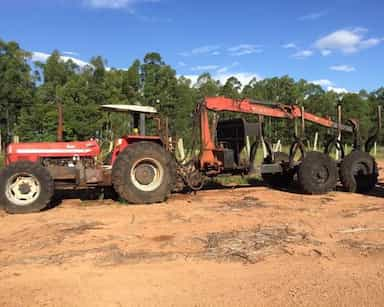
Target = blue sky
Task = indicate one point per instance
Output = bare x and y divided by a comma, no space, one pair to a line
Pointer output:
339,43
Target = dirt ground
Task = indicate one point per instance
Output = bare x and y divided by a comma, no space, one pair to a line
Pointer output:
237,246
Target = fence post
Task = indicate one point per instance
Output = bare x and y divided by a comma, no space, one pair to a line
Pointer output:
315,141
180,148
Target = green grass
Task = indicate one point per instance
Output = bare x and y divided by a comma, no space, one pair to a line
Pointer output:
229,180
1,160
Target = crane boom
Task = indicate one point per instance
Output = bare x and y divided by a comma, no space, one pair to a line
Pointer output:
276,110
220,104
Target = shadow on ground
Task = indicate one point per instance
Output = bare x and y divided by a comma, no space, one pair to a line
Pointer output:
108,193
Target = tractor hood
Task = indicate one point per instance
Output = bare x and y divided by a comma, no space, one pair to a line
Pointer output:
34,151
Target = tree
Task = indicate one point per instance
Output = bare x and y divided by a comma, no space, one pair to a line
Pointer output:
28,100
206,86
182,121
16,86
231,88
160,84
131,87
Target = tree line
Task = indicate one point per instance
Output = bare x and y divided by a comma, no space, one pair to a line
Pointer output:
29,93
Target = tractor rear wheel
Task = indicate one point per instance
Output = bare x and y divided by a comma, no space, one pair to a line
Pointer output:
144,173
279,179
358,172
25,187
317,173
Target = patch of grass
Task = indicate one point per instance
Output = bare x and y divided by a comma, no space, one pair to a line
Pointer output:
1,160
379,153
234,180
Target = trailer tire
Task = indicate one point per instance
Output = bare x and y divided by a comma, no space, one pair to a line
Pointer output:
25,187
358,172
279,179
143,173
317,173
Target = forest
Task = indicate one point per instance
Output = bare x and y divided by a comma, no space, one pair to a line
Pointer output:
30,90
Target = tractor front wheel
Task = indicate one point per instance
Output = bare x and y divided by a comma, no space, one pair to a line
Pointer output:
25,187
143,173
317,173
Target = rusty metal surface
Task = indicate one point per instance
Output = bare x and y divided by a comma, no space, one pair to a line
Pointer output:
93,175
62,172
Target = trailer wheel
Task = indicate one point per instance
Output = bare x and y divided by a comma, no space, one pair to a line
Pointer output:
25,187
317,173
278,179
358,172
143,173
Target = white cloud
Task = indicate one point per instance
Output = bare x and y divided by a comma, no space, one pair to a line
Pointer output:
325,52
214,50
70,53
338,90
245,49
205,67
181,64
329,86
346,41
152,19
302,54
344,68
42,57
313,16
225,69
322,82
370,42
113,4
215,69
203,50
39,56
289,46
79,62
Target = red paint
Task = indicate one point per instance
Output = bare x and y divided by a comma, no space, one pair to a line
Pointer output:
34,151
252,107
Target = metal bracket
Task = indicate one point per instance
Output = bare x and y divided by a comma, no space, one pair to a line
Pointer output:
356,134
372,139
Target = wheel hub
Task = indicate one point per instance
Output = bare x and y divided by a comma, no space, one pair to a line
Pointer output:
23,189
321,174
145,174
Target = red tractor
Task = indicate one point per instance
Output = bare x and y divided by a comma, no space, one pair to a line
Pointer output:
140,167
143,168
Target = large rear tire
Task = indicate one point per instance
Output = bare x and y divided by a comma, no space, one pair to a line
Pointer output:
25,187
317,173
144,173
358,172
